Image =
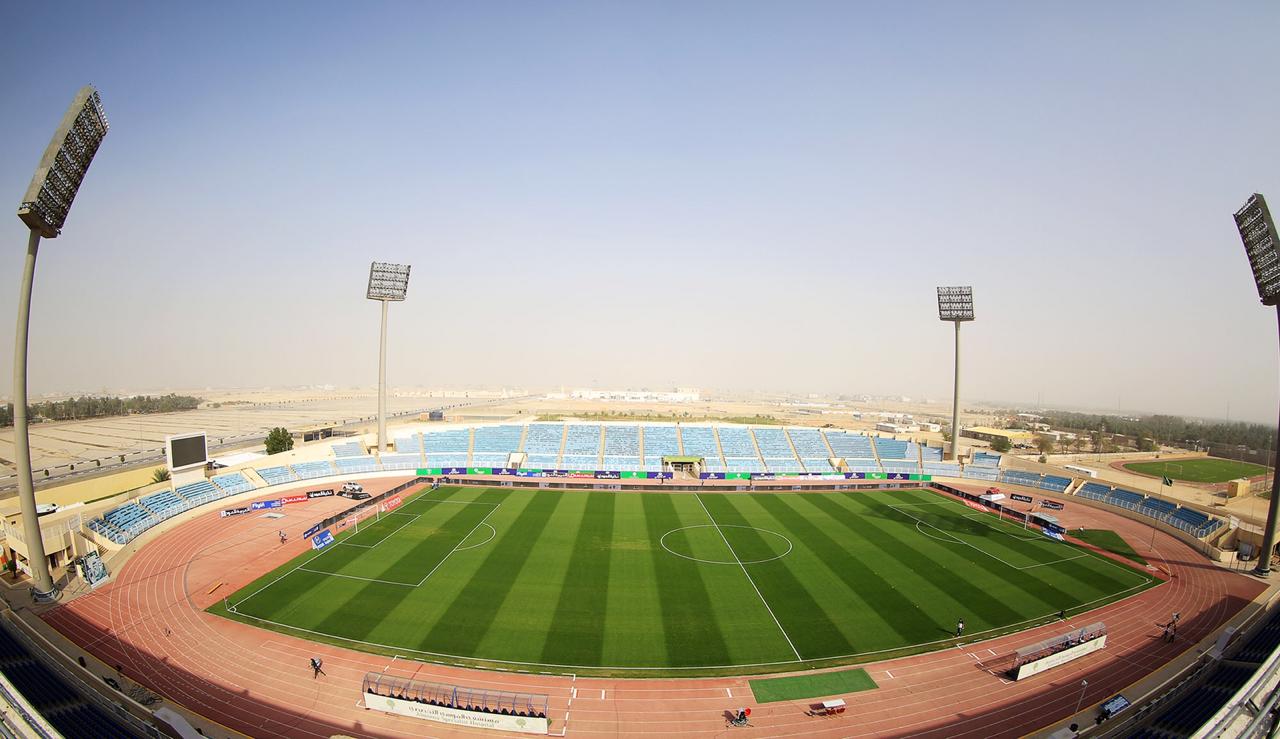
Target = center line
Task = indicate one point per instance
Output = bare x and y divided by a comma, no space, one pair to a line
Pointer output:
748,574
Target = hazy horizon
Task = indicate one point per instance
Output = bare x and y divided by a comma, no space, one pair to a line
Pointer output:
715,195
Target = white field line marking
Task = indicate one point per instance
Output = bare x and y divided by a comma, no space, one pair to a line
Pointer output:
1036,621
959,541
748,574
326,550
429,574
601,693
890,674
412,517
358,577
984,519
492,533
728,692
954,537
455,546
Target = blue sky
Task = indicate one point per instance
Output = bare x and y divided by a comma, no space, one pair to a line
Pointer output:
726,195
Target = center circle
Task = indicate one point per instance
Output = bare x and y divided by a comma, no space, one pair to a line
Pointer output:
687,541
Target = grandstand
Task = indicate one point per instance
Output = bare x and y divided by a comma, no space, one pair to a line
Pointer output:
775,448
542,445
492,446
231,483
70,712
700,441
582,447
621,448
659,442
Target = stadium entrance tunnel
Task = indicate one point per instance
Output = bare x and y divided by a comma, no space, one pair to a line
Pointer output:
726,544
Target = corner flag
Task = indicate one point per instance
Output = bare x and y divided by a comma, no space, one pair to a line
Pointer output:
1166,481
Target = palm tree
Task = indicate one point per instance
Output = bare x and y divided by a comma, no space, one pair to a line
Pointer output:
160,475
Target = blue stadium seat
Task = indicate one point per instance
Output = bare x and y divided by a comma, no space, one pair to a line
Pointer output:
659,442
277,475
232,483
850,446
312,470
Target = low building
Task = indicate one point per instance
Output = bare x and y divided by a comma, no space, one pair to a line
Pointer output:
986,433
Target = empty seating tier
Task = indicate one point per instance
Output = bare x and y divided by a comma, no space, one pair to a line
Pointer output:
809,444
850,446
277,475
312,470
497,439
891,448
232,483
348,449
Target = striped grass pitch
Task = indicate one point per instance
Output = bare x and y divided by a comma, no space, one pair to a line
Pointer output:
649,584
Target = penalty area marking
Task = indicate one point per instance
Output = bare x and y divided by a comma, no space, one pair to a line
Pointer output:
952,538
492,533
663,543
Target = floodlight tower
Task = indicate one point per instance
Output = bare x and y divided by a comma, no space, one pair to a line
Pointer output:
955,304
44,209
1258,232
387,283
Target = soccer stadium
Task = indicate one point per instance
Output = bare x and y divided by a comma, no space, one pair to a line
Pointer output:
535,526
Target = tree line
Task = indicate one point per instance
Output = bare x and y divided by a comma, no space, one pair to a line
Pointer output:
100,407
1172,430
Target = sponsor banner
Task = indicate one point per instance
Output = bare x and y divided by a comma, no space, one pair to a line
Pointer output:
453,470
1028,669
528,473
737,475
974,506
392,503
555,473
320,493
503,471
626,475
234,511
1052,505
607,475
1053,535
424,471
289,499
1021,498
582,473
659,475
897,475
353,496
754,476
873,475
322,539
456,716
258,505
311,532
479,470
710,475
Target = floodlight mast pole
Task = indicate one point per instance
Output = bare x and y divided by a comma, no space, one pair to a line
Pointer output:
1273,505
37,560
44,209
382,384
1262,247
955,402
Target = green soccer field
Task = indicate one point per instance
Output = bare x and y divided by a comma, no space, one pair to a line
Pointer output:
1203,469
652,583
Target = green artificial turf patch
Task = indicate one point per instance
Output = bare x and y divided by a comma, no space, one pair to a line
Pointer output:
660,584
1203,469
770,690
1109,541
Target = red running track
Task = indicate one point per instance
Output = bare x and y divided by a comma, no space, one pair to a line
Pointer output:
150,621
